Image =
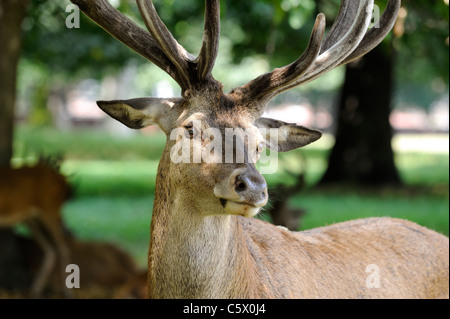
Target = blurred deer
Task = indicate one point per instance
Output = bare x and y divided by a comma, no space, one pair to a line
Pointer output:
103,266
134,288
34,196
204,243
106,271
280,211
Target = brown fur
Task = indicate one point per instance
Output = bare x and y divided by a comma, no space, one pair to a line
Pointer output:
34,196
27,192
106,271
134,288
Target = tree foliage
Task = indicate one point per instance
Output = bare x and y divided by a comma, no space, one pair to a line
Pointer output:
78,51
423,61
276,30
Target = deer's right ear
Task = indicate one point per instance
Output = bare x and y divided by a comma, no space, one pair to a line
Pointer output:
289,136
142,112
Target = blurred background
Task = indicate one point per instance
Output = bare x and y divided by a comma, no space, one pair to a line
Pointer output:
385,151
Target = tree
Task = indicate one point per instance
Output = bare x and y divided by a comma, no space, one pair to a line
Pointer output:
422,68
363,153
12,13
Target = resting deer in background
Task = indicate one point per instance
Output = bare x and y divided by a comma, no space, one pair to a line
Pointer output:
34,196
280,212
204,243
107,271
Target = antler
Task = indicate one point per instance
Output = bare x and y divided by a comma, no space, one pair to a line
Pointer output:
375,35
270,84
126,31
166,42
210,46
347,40
158,45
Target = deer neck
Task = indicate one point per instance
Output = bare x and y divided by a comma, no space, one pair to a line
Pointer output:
190,255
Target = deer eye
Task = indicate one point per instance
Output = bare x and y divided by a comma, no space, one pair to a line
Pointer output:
260,147
190,131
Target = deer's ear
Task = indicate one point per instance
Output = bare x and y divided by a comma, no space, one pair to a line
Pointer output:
139,113
280,136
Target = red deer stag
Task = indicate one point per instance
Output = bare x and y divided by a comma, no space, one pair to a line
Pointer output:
34,196
203,242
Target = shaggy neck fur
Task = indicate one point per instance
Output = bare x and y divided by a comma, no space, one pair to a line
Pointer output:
191,255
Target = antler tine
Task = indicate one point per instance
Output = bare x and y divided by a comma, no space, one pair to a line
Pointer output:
167,43
375,35
266,86
332,57
210,46
341,25
337,53
342,41
127,32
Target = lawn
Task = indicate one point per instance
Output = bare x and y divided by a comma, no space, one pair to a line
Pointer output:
113,179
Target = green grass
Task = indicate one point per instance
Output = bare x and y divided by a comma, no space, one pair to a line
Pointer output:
107,178
87,144
423,168
114,180
124,221
323,208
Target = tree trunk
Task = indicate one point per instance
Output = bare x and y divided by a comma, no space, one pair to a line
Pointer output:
12,13
363,154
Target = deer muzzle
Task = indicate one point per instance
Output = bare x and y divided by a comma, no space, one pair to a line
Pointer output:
243,192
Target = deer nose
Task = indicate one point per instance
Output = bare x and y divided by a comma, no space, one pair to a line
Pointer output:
251,188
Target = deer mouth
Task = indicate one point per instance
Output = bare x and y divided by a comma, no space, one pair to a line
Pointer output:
239,208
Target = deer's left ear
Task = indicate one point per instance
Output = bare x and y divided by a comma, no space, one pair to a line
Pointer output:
142,112
280,136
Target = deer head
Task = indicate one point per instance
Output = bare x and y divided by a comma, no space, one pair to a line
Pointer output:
228,187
